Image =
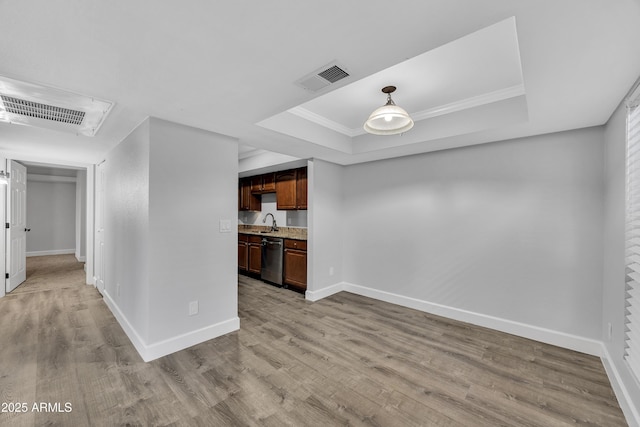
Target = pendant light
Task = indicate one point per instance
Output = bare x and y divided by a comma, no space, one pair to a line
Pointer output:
388,119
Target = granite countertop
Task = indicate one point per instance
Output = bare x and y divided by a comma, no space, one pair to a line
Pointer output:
283,232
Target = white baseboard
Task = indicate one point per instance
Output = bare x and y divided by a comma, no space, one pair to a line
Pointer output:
81,258
561,339
128,329
149,352
180,342
52,252
324,292
629,409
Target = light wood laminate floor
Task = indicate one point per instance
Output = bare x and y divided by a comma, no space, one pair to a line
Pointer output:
345,360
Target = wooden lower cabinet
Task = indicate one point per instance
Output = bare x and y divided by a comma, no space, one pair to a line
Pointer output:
249,253
243,252
295,264
255,254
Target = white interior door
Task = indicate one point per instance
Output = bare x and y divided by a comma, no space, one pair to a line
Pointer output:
17,231
100,249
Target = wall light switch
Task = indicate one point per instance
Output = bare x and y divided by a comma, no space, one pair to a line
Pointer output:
225,226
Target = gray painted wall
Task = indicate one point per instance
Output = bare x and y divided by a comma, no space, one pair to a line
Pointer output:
126,225
613,292
193,185
51,215
167,187
81,214
327,223
509,229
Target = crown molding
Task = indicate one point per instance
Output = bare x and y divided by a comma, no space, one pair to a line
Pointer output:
464,104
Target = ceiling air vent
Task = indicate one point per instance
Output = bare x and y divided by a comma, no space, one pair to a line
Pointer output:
41,111
40,106
322,77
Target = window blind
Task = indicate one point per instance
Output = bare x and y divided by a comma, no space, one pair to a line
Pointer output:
632,276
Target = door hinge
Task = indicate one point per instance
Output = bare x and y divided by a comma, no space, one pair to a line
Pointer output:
6,275
6,225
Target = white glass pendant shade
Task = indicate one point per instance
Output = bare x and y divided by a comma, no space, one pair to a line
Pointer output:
388,119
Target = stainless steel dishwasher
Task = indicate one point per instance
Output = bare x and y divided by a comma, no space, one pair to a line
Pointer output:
272,257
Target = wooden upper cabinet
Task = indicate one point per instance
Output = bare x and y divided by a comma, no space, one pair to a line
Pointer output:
265,183
246,200
286,190
301,188
256,184
291,189
269,182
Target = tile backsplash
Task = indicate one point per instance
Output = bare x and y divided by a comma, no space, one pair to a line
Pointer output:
283,218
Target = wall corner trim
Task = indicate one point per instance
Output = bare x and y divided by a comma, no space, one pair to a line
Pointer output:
629,409
149,352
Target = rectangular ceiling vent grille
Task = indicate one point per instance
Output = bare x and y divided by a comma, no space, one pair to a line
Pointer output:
333,74
323,77
32,104
42,111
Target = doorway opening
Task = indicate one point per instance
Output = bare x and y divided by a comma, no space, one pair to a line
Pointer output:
48,214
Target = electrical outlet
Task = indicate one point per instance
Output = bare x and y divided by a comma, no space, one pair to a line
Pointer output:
193,308
610,331
330,271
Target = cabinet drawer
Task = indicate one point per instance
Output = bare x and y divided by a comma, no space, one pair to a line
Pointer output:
243,237
255,239
295,244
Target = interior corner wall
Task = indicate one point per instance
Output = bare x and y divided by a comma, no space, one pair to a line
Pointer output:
613,294
126,232
510,232
3,209
193,187
326,225
51,216
81,215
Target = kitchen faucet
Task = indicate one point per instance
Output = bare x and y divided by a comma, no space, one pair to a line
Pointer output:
274,226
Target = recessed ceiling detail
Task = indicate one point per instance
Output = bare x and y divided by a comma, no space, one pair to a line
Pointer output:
322,77
479,72
40,106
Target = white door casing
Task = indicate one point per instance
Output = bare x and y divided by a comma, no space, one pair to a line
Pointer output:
17,231
99,226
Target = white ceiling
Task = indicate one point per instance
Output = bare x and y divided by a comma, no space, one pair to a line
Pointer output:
226,66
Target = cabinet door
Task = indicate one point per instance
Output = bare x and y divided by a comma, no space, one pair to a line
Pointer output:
295,268
255,261
301,188
269,182
242,256
248,201
256,184
286,190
